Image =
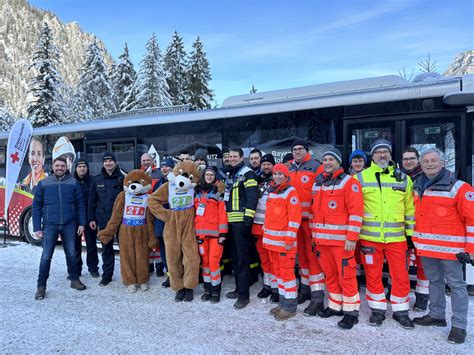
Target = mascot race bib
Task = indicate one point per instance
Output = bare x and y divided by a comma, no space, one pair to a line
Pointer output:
134,212
181,200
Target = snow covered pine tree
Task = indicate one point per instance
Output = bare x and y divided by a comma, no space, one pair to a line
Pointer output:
199,94
175,65
123,77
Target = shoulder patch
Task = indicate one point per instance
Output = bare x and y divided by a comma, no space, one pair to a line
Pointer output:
305,179
469,196
294,200
355,188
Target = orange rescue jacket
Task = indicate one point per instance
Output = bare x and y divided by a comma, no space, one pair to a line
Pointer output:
213,220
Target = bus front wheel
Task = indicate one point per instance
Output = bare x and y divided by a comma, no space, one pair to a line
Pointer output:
28,229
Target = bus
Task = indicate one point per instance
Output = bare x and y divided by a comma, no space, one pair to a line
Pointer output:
430,111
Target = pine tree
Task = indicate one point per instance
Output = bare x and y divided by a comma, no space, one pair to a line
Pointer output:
150,88
45,105
199,94
175,64
95,95
6,119
123,77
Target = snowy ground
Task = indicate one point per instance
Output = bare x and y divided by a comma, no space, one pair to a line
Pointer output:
110,320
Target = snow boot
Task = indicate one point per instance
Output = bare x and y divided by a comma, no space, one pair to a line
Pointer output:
233,295
179,296
216,294
275,310
40,293
284,315
166,283
457,335
303,297
206,296
104,282
427,320
421,302
188,294
95,274
348,321
376,319
264,293
274,298
132,288
78,285
313,308
404,320
241,303
328,312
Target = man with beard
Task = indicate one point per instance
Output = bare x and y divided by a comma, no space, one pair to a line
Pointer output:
388,218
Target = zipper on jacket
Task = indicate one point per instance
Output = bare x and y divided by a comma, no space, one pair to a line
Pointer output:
60,203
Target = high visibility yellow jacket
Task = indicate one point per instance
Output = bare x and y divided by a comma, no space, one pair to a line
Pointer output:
388,205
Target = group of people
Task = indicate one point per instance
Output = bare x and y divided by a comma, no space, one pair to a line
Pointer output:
308,220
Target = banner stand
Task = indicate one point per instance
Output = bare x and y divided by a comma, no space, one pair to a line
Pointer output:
6,230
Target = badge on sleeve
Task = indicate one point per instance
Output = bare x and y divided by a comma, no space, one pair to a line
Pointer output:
355,188
469,196
294,200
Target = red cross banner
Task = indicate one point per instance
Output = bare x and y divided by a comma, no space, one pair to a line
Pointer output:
18,142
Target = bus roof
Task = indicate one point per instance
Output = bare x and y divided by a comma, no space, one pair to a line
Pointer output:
352,92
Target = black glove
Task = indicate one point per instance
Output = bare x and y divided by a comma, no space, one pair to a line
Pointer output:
410,243
464,258
248,222
222,235
199,240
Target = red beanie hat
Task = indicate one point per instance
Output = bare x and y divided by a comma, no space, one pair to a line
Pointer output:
282,168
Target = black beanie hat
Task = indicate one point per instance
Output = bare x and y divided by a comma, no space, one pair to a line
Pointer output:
287,158
267,158
108,155
302,142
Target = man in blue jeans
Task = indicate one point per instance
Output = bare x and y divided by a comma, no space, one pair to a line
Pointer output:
58,206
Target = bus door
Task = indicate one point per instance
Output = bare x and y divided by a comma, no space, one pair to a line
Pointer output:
123,149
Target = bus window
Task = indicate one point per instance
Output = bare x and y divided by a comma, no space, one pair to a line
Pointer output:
125,154
362,138
436,134
94,153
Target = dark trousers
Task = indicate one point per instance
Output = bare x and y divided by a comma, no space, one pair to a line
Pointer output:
50,238
241,239
163,253
92,258
108,260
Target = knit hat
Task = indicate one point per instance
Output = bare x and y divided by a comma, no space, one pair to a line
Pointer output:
287,158
281,168
302,142
358,154
108,155
335,153
213,169
268,158
380,144
200,154
169,162
82,161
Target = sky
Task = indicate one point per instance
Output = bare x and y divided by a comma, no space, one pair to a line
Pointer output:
277,44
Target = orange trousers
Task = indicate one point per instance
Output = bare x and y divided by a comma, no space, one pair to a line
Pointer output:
264,255
372,257
283,269
211,253
340,268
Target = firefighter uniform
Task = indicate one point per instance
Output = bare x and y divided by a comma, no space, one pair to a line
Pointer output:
210,223
388,217
444,228
312,278
282,220
338,208
241,199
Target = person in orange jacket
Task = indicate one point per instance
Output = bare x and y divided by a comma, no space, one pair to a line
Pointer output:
210,225
303,170
444,235
282,220
338,208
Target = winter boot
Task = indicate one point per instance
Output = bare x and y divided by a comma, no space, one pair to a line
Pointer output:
78,285
40,293
376,319
303,297
166,283
264,293
188,294
206,296
284,315
328,312
457,335
216,294
404,320
159,271
241,303
132,288
179,296
348,321
274,298
427,320
233,295
421,302
275,310
313,308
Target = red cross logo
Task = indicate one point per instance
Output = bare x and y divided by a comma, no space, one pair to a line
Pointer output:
14,157
470,196
332,204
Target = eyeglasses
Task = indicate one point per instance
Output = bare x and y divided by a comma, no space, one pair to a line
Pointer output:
298,149
409,159
382,152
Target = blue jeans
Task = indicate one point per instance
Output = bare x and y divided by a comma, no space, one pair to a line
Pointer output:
50,237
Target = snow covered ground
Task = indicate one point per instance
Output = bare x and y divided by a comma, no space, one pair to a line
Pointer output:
110,320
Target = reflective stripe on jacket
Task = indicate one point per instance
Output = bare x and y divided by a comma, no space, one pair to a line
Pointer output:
389,213
243,194
282,220
214,220
302,179
338,207
444,218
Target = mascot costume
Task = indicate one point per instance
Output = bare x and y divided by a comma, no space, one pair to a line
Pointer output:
181,246
136,236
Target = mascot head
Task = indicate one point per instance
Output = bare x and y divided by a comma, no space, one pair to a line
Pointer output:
137,182
185,175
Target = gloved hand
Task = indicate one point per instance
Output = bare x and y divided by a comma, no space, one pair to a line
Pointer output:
199,240
221,240
248,223
410,243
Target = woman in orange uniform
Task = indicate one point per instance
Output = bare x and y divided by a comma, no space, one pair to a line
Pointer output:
282,220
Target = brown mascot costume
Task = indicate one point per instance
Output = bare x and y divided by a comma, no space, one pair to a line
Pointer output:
181,247
136,235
